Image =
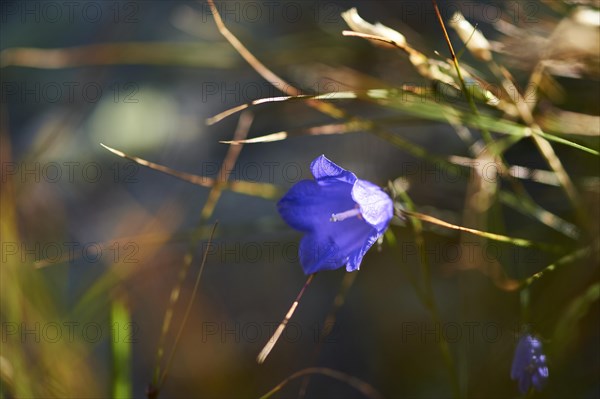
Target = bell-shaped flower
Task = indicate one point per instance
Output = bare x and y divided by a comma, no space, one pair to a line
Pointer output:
341,215
529,364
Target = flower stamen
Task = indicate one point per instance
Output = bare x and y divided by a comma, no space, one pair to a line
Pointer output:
338,217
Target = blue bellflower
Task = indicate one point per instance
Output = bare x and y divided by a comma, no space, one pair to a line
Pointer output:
529,364
341,215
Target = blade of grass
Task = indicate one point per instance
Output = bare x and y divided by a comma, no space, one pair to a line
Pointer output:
332,128
255,189
565,260
120,348
187,311
417,106
575,311
341,95
233,152
539,213
262,356
520,242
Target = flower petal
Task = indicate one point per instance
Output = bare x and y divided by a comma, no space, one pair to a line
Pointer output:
319,253
524,383
521,358
326,171
540,378
308,206
356,257
353,236
529,364
376,206
335,244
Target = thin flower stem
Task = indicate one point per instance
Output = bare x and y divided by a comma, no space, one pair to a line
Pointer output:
262,356
361,386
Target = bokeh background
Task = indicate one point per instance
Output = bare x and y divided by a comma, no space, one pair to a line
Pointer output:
94,244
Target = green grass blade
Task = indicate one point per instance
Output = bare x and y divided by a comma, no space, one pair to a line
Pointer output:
121,349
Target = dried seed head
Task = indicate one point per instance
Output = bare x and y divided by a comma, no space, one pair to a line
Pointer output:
357,24
476,43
